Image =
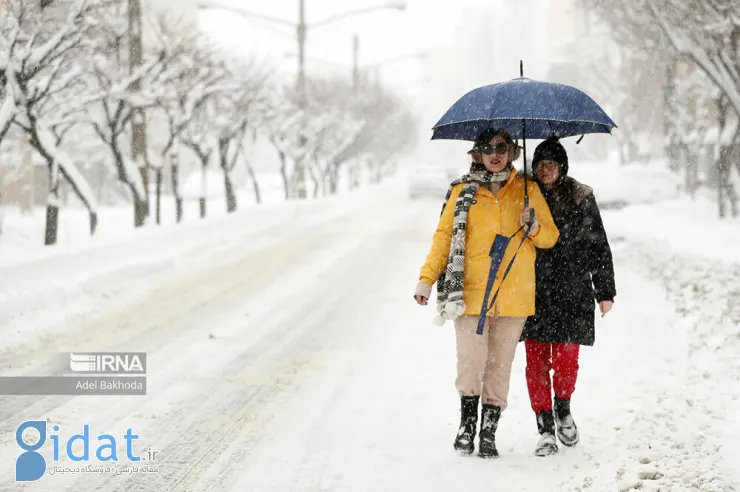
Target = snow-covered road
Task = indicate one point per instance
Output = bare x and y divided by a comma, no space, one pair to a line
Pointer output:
296,360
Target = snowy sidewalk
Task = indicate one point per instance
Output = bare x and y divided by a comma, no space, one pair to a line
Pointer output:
688,436
659,381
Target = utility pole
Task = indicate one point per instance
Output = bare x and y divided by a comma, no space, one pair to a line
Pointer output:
138,126
355,63
300,178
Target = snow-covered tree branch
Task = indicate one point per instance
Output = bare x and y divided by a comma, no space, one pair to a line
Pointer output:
40,45
688,37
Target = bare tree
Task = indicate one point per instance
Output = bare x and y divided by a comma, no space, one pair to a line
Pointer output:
280,122
198,137
193,77
707,35
235,111
111,107
40,71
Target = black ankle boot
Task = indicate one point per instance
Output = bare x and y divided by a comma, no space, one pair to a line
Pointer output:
547,444
465,439
490,416
567,430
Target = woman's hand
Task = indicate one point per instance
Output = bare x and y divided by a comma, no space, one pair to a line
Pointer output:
605,307
422,294
524,220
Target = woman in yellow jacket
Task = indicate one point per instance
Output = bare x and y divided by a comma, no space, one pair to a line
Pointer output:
486,202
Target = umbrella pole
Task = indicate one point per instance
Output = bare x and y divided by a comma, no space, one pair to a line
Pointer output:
524,151
524,147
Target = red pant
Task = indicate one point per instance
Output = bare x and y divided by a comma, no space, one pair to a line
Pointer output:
562,358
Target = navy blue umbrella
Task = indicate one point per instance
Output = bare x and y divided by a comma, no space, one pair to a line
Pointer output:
546,109
525,108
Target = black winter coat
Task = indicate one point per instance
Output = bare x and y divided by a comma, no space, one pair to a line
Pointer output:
575,273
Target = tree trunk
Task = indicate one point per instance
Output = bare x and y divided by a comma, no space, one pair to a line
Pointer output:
100,188
375,171
178,208
724,187
284,175
175,170
203,185
159,196
728,154
205,158
93,216
723,176
356,176
230,195
255,184
52,201
691,181
2,212
333,178
52,224
202,199
316,181
93,222
732,158
141,208
53,197
298,180
670,115
223,155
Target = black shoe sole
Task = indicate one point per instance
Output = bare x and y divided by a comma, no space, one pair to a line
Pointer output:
488,455
465,451
548,450
566,442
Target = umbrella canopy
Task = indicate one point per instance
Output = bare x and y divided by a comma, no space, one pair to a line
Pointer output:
545,108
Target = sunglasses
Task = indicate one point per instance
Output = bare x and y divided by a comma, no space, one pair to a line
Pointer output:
488,149
550,166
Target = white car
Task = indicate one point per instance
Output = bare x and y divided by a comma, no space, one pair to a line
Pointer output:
429,182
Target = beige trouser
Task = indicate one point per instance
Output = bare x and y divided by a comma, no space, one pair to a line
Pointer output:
484,361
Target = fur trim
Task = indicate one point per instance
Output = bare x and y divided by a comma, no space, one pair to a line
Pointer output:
566,193
582,192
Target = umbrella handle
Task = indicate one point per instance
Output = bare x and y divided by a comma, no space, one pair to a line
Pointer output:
531,211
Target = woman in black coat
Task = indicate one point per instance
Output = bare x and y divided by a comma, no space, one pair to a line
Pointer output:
570,277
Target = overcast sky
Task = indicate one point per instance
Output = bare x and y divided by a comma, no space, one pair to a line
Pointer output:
425,26
491,34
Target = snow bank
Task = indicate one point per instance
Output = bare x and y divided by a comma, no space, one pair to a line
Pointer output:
681,225
616,185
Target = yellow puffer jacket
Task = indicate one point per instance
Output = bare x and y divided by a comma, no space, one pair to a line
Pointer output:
490,215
